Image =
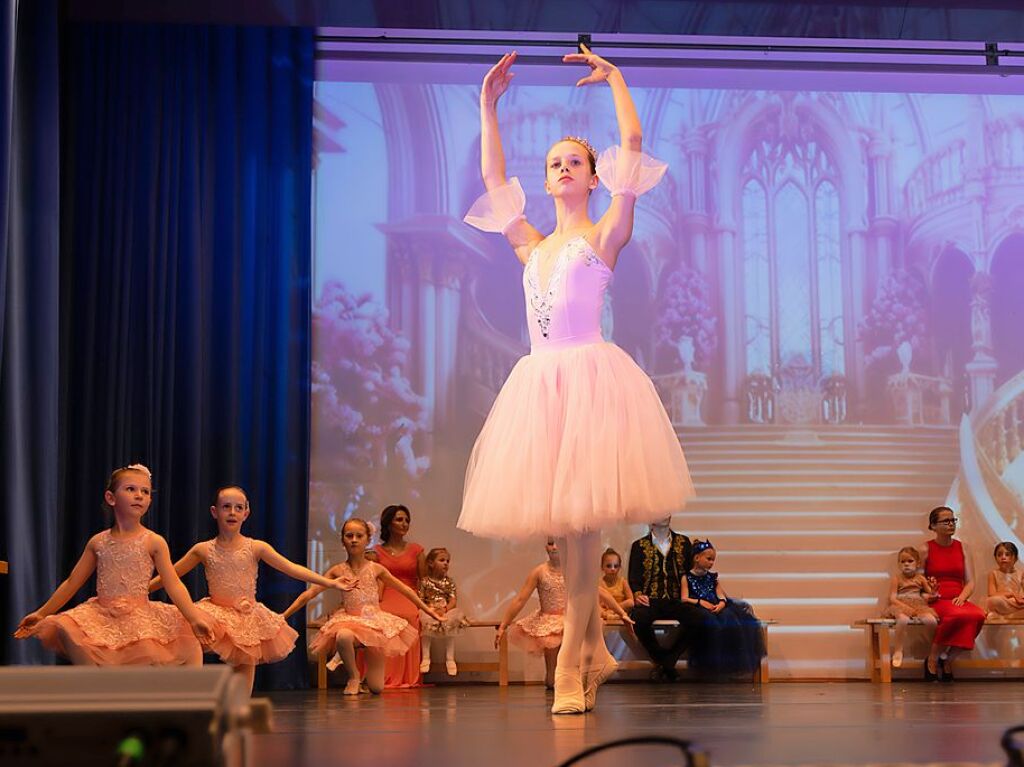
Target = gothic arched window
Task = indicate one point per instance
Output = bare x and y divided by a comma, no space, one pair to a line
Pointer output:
792,272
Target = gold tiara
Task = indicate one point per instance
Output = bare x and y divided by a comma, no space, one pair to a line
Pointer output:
583,143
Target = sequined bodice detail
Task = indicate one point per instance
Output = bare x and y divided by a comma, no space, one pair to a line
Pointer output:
364,593
551,591
703,586
231,573
437,591
123,567
568,308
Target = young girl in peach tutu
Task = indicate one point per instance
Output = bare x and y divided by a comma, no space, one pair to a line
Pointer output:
614,585
1005,590
246,633
577,438
541,632
360,622
438,591
910,596
120,625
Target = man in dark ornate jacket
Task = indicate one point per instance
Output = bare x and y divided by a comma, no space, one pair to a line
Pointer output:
657,564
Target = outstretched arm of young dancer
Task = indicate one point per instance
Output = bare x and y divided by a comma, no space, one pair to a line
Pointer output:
272,557
519,233
184,565
392,582
176,589
79,575
615,227
333,573
518,601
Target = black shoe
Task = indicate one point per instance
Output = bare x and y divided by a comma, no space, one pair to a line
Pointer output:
928,675
657,675
945,673
670,674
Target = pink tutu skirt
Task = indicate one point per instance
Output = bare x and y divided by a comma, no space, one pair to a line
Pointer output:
248,633
371,628
576,440
537,632
453,623
122,632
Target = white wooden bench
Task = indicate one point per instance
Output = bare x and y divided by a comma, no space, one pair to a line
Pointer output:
879,649
500,665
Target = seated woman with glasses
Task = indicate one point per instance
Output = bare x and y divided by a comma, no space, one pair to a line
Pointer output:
948,569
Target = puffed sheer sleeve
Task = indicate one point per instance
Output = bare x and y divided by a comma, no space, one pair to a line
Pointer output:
624,171
498,209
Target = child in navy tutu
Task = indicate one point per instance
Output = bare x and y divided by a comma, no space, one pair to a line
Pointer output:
729,640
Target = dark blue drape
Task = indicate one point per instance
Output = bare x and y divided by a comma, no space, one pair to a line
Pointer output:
185,281
29,465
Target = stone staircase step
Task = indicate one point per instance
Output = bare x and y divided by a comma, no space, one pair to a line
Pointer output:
809,585
840,488
853,502
737,541
789,560
817,610
820,519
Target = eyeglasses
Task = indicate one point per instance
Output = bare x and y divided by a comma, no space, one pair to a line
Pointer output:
950,521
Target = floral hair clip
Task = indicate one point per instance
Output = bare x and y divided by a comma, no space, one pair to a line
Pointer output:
139,468
700,546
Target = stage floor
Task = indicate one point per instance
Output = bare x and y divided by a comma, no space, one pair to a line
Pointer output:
736,724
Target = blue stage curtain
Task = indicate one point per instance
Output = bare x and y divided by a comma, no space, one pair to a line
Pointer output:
29,465
185,282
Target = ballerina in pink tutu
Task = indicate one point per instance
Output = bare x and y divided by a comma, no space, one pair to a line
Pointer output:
120,626
577,439
360,622
246,633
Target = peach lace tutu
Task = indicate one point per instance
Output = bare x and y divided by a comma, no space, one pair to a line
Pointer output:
360,613
121,626
245,632
542,630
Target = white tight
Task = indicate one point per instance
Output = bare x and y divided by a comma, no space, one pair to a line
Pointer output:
583,636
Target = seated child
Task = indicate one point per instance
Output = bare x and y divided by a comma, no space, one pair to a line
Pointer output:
1005,599
438,591
909,596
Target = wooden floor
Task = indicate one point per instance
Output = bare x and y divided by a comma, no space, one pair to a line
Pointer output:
736,724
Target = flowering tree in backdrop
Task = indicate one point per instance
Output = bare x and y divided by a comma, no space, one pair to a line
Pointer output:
366,417
898,314
685,310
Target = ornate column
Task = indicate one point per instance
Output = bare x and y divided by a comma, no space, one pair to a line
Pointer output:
981,370
732,327
883,224
695,203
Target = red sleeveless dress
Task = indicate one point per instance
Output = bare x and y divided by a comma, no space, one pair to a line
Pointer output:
958,626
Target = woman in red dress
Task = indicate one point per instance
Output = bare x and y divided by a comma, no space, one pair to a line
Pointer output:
407,562
948,568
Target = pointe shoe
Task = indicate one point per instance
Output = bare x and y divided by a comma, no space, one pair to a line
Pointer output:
351,687
897,659
568,693
594,677
451,668
334,662
425,666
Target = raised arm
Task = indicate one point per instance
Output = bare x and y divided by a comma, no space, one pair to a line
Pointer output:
184,565
520,235
303,599
79,575
176,589
615,227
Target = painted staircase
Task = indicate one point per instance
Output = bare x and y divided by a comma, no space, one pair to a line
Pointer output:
807,522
